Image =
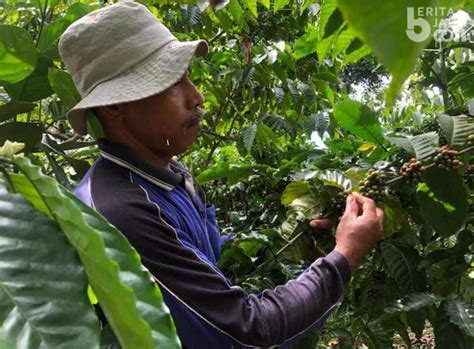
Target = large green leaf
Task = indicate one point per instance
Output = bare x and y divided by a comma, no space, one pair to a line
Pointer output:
461,314
36,86
233,172
401,262
279,4
22,132
252,6
385,27
421,146
43,286
63,85
52,32
443,200
413,301
109,261
447,334
248,136
328,8
294,190
359,120
456,128
13,108
306,44
17,54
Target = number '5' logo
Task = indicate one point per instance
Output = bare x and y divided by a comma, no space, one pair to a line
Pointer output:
421,25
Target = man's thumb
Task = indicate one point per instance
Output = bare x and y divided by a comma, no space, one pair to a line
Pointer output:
352,208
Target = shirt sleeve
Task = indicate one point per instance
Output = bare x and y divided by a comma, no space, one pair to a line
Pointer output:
268,319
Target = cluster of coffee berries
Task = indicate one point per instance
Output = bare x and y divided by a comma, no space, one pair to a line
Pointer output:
447,158
469,176
373,185
339,203
412,170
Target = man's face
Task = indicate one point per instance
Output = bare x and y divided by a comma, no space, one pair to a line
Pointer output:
166,123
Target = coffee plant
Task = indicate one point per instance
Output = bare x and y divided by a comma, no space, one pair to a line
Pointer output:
306,102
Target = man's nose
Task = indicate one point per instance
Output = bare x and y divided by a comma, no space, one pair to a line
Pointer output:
196,98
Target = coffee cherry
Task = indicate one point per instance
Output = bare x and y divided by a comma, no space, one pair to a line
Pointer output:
470,139
447,158
339,203
373,185
412,170
469,176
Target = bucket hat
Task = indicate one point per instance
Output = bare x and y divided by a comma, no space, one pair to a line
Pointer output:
122,53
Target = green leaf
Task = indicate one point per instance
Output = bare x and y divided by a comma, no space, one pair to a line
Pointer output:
413,301
448,335
252,6
265,3
43,298
456,128
461,314
76,11
378,336
359,120
306,44
248,135
279,4
401,262
294,190
394,216
36,86
109,261
108,339
335,178
236,11
334,23
443,200
22,132
52,32
421,146
389,38
327,10
64,87
149,301
232,171
17,54
13,108
80,166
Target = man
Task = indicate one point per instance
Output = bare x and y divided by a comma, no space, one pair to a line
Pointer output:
132,73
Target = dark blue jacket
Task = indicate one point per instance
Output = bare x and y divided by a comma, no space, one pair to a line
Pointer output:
177,237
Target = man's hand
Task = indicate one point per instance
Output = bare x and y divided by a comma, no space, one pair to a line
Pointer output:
359,229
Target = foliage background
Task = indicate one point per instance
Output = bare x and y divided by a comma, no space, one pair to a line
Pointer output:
300,103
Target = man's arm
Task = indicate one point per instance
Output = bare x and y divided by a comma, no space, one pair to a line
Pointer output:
272,318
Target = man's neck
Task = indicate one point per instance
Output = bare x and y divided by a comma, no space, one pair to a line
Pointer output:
161,160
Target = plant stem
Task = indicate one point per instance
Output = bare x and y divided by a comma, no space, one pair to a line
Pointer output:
279,252
444,79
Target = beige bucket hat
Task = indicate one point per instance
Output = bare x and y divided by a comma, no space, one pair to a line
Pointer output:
122,53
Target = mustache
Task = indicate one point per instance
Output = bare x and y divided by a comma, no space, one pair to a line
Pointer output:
197,115
198,112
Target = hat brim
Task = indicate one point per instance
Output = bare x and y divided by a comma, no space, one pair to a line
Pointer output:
151,76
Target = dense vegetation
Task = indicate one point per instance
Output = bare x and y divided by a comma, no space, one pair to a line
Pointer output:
305,101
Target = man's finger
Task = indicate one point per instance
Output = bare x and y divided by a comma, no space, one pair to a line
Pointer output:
368,205
380,214
322,224
352,208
